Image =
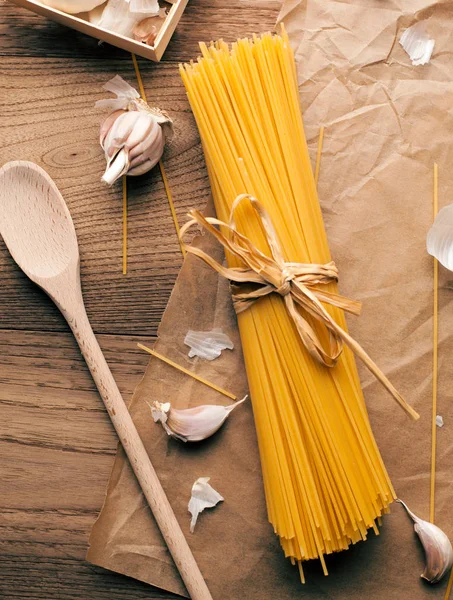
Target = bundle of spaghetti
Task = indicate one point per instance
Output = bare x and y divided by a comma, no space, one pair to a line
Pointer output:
324,479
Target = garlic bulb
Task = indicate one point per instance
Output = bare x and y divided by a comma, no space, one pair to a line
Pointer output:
192,424
437,546
203,496
133,136
73,6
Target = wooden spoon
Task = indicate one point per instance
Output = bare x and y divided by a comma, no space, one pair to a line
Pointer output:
37,228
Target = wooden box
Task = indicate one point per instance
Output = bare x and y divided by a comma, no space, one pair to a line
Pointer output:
154,52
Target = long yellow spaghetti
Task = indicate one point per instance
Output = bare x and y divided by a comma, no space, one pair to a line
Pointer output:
432,488
171,204
324,479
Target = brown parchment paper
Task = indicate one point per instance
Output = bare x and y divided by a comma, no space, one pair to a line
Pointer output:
386,123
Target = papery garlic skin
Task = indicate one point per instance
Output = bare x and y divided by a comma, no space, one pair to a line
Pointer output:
121,16
417,43
437,546
192,424
133,136
73,7
144,6
203,496
207,344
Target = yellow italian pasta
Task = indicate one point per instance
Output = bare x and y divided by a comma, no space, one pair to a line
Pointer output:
324,479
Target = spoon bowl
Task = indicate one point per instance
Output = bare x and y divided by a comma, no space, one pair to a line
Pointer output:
35,222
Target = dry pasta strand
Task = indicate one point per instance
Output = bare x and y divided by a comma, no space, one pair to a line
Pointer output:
432,491
318,155
168,192
187,372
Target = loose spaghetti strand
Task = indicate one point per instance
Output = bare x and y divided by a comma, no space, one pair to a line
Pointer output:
435,355
168,192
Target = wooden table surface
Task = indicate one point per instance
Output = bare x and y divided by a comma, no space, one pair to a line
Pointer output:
56,442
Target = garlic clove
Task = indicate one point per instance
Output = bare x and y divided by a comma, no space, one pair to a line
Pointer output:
192,424
437,546
146,31
107,125
152,145
203,496
122,128
118,133
117,167
439,241
147,160
141,130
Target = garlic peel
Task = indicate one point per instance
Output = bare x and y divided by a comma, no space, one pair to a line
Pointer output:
192,424
207,344
118,86
144,6
107,124
203,496
417,43
118,16
439,241
437,546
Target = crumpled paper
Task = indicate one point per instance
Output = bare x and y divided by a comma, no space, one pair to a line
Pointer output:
386,123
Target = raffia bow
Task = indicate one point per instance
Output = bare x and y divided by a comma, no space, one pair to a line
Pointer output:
296,283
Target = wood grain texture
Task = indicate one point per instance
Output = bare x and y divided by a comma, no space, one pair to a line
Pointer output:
38,230
56,441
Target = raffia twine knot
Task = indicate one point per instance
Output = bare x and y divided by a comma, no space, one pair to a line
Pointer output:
285,287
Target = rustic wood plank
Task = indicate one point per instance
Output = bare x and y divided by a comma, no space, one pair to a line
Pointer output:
32,577
44,382
57,447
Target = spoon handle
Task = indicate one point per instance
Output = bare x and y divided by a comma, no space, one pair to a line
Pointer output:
138,457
